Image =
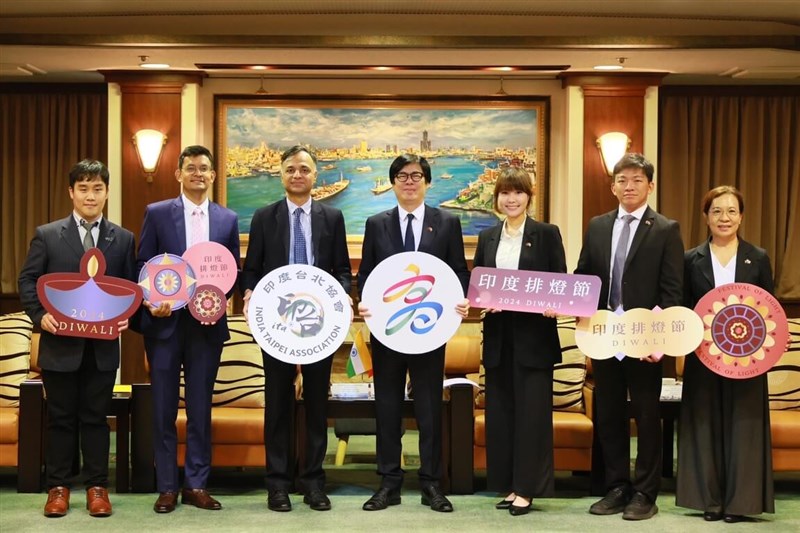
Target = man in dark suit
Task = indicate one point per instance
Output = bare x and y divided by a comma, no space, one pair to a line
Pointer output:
648,274
410,226
290,231
175,339
78,373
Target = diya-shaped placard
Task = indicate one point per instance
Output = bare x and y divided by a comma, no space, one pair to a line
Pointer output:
89,303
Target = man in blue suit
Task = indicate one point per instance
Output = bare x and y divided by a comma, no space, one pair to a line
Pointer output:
176,339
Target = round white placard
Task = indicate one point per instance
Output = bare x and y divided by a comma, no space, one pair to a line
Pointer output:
412,298
299,314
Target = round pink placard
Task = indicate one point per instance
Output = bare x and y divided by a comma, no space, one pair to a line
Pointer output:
213,264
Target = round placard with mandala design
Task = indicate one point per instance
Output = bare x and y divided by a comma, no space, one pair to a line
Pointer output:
208,303
167,278
745,330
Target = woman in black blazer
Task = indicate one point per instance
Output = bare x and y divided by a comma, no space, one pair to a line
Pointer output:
519,352
724,448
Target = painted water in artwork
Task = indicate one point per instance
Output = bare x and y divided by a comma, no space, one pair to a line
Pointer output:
355,147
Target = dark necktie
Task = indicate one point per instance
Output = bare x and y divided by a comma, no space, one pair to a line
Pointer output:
88,240
620,254
299,240
408,245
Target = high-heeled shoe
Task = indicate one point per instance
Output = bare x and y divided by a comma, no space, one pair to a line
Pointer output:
515,510
503,504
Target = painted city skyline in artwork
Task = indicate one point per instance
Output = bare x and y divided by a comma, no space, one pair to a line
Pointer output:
355,146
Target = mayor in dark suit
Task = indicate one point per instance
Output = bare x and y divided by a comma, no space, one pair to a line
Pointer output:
78,373
410,226
724,448
296,230
519,352
176,339
638,255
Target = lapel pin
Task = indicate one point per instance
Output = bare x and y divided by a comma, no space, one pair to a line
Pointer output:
528,244
746,261
430,229
647,222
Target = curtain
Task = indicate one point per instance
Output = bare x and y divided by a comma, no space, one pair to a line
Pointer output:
42,135
749,138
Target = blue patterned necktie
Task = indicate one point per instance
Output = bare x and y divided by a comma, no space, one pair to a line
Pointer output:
408,245
88,240
620,254
299,239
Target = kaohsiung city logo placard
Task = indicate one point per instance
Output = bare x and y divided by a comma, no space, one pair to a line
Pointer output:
299,314
412,298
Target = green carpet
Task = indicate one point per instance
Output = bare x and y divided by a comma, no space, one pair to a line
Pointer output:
244,506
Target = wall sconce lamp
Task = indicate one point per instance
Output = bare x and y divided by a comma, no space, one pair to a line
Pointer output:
149,146
612,146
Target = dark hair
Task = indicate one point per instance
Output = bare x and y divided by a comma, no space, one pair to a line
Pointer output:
407,159
716,192
193,151
88,170
513,179
296,149
634,160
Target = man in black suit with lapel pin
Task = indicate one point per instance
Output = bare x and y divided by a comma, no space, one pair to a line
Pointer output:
78,373
295,230
638,255
411,226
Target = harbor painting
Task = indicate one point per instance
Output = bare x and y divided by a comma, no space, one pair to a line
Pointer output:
466,141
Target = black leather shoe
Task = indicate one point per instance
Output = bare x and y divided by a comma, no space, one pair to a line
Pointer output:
732,518
435,498
712,516
317,500
278,500
612,503
516,510
382,499
639,508
503,505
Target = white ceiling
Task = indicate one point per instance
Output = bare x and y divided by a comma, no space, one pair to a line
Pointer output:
711,41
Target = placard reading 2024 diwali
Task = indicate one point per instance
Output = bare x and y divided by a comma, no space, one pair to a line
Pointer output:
89,303
534,292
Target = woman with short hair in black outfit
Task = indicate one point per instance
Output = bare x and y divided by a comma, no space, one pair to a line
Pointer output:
519,352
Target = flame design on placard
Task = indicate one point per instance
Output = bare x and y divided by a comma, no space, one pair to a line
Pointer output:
419,314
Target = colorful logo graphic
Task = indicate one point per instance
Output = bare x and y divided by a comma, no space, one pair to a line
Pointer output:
208,303
302,314
168,278
412,298
745,330
413,291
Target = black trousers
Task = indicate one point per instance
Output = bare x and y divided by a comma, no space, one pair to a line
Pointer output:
78,404
519,426
279,383
389,375
614,379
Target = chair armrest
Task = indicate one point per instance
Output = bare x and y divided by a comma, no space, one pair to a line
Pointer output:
31,436
588,399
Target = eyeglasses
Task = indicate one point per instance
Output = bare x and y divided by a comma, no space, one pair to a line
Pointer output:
191,169
304,171
403,177
717,213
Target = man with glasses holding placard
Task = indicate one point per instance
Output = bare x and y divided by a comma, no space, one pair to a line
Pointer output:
175,339
411,226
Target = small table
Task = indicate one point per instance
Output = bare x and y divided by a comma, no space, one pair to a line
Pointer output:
457,432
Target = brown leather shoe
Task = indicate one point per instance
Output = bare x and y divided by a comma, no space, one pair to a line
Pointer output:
97,501
57,502
200,498
166,502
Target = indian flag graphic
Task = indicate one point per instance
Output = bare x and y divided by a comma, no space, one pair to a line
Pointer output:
360,360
